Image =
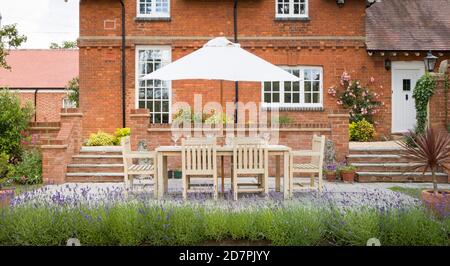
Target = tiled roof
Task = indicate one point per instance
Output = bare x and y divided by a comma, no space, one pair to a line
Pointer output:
39,68
412,25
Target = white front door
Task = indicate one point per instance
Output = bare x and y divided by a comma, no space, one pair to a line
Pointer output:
404,78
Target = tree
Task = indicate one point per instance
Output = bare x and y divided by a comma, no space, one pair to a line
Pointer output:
73,90
64,45
9,38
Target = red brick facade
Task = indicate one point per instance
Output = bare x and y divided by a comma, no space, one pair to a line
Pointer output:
332,38
48,104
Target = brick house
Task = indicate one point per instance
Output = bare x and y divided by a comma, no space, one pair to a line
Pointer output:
40,77
315,39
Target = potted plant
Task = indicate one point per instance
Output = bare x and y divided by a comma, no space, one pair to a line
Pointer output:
430,151
347,173
330,172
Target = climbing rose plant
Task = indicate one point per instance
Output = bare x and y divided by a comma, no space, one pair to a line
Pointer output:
360,100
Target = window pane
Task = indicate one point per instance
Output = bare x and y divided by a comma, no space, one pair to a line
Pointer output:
315,75
165,106
156,118
141,94
287,98
316,86
149,93
267,98
287,86
296,86
157,93
141,104
150,106
165,118
165,93
296,98
307,74
276,86
267,86
307,98
307,85
315,98
276,98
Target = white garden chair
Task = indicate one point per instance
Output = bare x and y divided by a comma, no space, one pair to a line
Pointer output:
135,169
313,168
250,158
198,159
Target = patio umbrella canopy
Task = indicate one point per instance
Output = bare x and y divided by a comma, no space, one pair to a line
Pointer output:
220,59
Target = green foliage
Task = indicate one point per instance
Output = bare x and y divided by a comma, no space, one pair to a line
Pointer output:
283,120
185,115
5,169
361,131
101,139
120,133
143,223
424,89
29,169
73,91
360,100
14,120
9,38
346,168
64,45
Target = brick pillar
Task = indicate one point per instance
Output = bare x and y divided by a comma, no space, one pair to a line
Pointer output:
339,133
439,113
139,121
58,152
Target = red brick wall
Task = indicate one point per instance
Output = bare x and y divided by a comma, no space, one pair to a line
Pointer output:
48,104
333,38
439,106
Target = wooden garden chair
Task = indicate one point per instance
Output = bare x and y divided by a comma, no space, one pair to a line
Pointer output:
135,169
315,166
250,158
198,159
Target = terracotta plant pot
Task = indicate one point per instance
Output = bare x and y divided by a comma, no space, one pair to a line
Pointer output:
331,176
5,197
348,176
439,203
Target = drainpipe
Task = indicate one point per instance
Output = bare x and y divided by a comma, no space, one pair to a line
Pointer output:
35,104
123,65
236,84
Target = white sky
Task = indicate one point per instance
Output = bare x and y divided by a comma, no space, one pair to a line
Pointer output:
42,21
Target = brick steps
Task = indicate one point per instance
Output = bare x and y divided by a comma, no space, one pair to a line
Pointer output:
384,164
96,164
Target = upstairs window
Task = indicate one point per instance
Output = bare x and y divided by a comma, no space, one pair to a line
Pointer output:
291,8
153,8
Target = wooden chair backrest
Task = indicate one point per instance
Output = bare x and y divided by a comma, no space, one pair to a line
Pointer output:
198,155
318,145
249,153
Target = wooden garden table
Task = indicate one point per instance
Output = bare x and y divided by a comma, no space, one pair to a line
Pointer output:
163,152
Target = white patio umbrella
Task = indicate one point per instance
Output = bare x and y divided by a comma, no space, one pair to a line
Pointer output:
220,59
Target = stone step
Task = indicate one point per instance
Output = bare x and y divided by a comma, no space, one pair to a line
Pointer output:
399,177
95,168
97,159
375,150
376,158
383,167
94,177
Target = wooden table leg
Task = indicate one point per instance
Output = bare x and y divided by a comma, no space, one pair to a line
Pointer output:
160,174
286,179
222,174
165,175
277,173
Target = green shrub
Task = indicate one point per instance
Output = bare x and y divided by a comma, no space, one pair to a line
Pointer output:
361,131
101,139
14,120
120,133
29,169
5,169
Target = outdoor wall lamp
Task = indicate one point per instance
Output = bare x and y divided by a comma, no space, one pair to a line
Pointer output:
340,3
430,61
387,64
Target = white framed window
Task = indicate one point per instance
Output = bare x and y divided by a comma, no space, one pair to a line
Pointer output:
153,8
291,8
155,95
307,93
67,103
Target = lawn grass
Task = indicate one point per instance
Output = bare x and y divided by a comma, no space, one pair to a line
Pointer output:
412,192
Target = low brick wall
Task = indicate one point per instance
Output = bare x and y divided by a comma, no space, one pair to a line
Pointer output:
296,136
57,152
